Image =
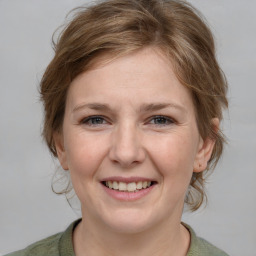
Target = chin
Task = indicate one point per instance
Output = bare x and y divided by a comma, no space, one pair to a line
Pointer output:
130,221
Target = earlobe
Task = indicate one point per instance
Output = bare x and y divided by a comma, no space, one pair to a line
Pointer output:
61,152
205,149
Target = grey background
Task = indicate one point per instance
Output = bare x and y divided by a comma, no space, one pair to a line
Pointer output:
29,210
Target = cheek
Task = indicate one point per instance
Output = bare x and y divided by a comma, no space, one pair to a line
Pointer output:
84,153
174,155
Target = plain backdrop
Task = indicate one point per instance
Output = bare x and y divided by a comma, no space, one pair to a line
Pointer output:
29,210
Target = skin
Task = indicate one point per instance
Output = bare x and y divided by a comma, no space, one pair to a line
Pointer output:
128,139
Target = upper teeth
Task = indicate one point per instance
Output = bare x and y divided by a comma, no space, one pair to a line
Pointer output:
130,187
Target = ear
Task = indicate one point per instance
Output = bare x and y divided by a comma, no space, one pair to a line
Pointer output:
59,144
205,149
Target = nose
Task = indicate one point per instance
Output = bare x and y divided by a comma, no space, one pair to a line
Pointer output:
126,149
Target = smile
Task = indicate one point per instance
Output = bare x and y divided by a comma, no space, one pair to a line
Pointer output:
128,187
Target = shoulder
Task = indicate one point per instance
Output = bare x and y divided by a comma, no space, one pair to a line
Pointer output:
58,245
207,248
200,247
47,246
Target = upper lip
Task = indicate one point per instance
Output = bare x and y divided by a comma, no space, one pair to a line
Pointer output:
126,179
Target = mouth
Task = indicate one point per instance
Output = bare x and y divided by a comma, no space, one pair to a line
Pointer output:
131,187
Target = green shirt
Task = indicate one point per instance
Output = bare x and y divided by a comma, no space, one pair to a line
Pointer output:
61,245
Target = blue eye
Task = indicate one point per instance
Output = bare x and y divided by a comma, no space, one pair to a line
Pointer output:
94,120
161,120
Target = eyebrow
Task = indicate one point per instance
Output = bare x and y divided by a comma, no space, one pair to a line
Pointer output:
159,106
94,106
144,108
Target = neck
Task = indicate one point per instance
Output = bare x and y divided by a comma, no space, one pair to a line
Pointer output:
164,239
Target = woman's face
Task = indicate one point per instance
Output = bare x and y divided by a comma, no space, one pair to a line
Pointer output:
131,142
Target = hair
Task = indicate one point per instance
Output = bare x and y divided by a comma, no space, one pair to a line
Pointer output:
120,27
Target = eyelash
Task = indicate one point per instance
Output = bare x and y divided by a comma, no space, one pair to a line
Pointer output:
163,118
89,120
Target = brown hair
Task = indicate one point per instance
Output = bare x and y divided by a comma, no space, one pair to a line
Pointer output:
119,27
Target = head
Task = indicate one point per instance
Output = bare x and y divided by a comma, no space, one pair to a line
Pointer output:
117,28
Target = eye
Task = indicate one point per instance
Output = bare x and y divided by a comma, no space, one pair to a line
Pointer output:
161,120
94,120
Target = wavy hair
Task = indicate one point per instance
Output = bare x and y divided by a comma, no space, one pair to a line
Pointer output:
120,27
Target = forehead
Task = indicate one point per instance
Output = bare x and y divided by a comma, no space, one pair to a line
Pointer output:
141,77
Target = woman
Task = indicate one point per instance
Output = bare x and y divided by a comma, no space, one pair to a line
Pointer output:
133,100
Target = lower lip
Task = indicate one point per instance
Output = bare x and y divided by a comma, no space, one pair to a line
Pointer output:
128,196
